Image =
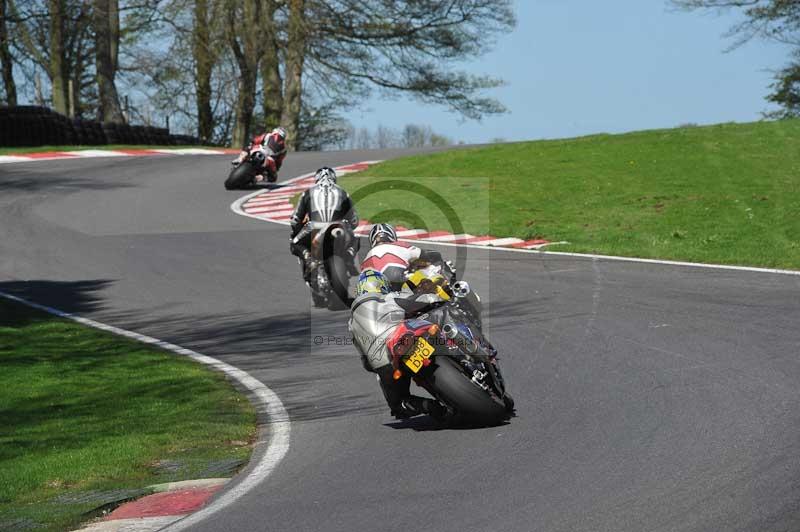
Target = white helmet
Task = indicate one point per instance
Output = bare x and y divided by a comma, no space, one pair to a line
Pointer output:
325,174
382,232
280,132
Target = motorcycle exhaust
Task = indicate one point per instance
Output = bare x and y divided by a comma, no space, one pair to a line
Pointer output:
337,232
452,332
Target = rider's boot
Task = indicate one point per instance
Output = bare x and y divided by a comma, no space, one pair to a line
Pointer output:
309,264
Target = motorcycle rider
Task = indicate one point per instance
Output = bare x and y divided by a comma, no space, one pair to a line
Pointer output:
324,202
375,313
274,143
393,258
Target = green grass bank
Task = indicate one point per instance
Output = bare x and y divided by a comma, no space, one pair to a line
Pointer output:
727,193
89,417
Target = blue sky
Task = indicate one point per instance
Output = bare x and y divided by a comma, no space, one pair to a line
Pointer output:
576,67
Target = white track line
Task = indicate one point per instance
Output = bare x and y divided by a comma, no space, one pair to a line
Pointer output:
448,238
500,242
97,153
87,154
274,436
611,257
491,245
238,205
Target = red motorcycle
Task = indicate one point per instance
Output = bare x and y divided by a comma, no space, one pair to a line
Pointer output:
256,163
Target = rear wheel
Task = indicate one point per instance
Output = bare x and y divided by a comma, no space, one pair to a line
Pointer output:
472,404
240,176
340,282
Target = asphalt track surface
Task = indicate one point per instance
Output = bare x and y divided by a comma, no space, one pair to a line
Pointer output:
650,397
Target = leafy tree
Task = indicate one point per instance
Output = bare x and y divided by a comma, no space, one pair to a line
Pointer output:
39,33
208,65
411,47
204,58
320,127
6,59
272,92
415,136
243,19
777,20
105,22
786,91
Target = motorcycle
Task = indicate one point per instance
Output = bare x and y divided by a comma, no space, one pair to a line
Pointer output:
244,174
329,281
446,353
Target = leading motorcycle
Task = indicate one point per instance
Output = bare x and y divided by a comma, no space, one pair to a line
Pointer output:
243,175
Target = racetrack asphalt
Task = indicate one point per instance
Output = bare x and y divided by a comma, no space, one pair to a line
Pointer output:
650,397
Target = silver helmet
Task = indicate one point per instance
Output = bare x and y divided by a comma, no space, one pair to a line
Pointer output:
382,233
325,173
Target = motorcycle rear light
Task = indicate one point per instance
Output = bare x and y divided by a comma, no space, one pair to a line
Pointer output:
403,345
426,362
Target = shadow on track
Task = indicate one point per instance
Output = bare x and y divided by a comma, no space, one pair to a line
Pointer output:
277,349
75,297
18,180
427,423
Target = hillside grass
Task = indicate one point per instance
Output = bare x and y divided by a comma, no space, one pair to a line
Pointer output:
727,193
89,416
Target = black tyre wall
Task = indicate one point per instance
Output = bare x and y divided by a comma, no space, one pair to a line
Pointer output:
29,125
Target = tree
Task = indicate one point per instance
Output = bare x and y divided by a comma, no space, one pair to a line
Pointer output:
41,36
244,39
786,91
385,137
412,136
777,20
105,22
440,140
409,47
210,64
773,19
59,76
272,94
346,48
204,59
61,46
415,136
320,128
80,56
6,60
295,59
363,139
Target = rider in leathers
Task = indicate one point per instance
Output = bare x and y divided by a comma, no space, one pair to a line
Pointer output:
393,258
324,202
275,144
376,312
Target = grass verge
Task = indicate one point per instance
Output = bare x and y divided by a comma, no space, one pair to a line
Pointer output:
89,417
727,193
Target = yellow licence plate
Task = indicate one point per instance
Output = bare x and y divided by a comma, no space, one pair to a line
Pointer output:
422,351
